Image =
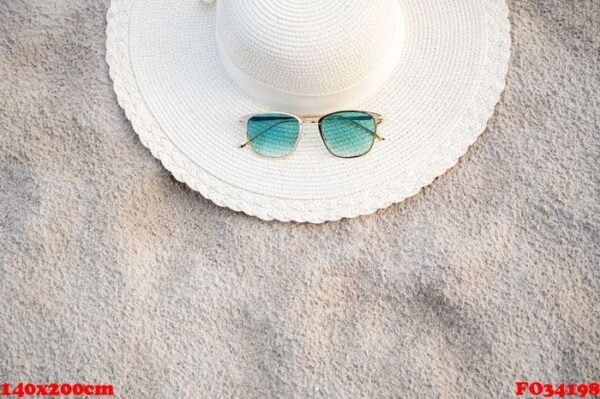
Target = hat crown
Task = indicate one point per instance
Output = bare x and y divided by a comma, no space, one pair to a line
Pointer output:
307,48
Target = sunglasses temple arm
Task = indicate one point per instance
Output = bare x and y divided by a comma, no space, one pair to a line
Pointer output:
244,144
377,135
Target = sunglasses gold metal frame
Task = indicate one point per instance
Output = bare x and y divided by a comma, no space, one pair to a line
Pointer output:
312,119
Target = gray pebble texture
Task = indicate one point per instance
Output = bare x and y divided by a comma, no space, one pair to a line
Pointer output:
112,272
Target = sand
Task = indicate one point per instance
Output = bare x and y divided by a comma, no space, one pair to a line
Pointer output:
112,272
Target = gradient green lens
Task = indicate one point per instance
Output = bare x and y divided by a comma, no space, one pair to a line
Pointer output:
348,134
273,135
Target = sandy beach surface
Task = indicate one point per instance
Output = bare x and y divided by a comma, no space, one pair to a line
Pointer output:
111,272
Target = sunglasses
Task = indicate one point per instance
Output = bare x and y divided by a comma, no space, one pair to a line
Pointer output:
346,134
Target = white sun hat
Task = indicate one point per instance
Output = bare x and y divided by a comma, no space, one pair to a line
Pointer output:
185,71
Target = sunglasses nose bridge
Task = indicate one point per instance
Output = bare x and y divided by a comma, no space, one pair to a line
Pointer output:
310,118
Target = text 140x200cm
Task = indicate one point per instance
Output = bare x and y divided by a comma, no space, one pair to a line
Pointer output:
28,389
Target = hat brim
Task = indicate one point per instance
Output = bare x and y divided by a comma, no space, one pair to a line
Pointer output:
169,79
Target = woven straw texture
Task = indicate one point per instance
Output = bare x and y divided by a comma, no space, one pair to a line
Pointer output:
286,45
172,85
